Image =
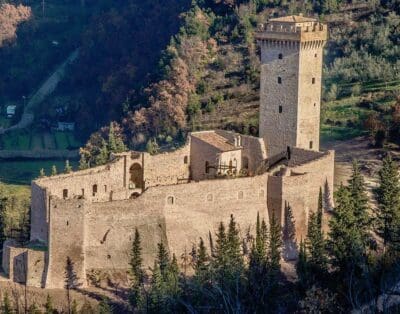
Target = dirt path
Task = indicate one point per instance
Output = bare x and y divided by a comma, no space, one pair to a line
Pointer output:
45,90
369,158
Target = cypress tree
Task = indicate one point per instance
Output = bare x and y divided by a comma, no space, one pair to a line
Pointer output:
275,244
103,154
233,247
67,168
320,208
345,241
7,309
315,245
162,258
53,170
137,272
302,265
42,173
289,235
201,266
359,198
257,270
49,309
136,261
115,142
104,307
388,197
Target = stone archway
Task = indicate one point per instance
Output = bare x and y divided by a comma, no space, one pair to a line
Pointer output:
136,176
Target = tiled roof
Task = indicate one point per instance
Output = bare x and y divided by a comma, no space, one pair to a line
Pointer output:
293,19
300,156
215,140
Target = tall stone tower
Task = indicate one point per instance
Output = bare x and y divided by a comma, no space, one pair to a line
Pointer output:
290,91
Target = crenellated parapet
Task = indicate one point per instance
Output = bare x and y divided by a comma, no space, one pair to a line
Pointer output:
293,30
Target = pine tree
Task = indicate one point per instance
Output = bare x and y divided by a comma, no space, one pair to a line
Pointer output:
7,309
257,270
136,261
33,309
137,272
42,173
49,309
67,168
233,248
162,259
302,266
345,242
73,309
359,198
201,266
103,155
104,307
289,235
71,282
315,245
275,245
320,209
115,142
388,197
53,170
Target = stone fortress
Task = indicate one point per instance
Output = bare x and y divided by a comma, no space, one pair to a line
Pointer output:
177,197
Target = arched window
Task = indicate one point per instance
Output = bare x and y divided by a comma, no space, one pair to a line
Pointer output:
170,200
280,56
136,178
185,159
94,189
65,193
279,80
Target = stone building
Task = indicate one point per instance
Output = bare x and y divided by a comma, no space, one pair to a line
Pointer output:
177,197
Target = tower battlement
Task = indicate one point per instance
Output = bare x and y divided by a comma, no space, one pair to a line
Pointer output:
292,28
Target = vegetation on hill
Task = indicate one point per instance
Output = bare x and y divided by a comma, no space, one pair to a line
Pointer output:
217,85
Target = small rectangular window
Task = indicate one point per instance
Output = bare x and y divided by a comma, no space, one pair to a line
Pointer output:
280,56
311,144
279,80
313,80
65,193
280,109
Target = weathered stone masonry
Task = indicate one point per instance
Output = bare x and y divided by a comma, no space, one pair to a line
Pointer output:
177,197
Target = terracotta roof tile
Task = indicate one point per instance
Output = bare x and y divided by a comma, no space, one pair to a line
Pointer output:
215,140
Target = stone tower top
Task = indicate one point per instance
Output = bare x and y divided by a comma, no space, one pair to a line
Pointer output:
292,28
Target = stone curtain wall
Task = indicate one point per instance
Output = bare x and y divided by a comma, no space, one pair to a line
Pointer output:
109,180
194,210
300,188
167,168
279,130
199,207
67,229
39,216
111,227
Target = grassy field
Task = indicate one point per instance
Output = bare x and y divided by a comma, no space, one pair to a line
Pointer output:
23,171
26,140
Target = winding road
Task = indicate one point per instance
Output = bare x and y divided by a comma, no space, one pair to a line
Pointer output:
45,90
